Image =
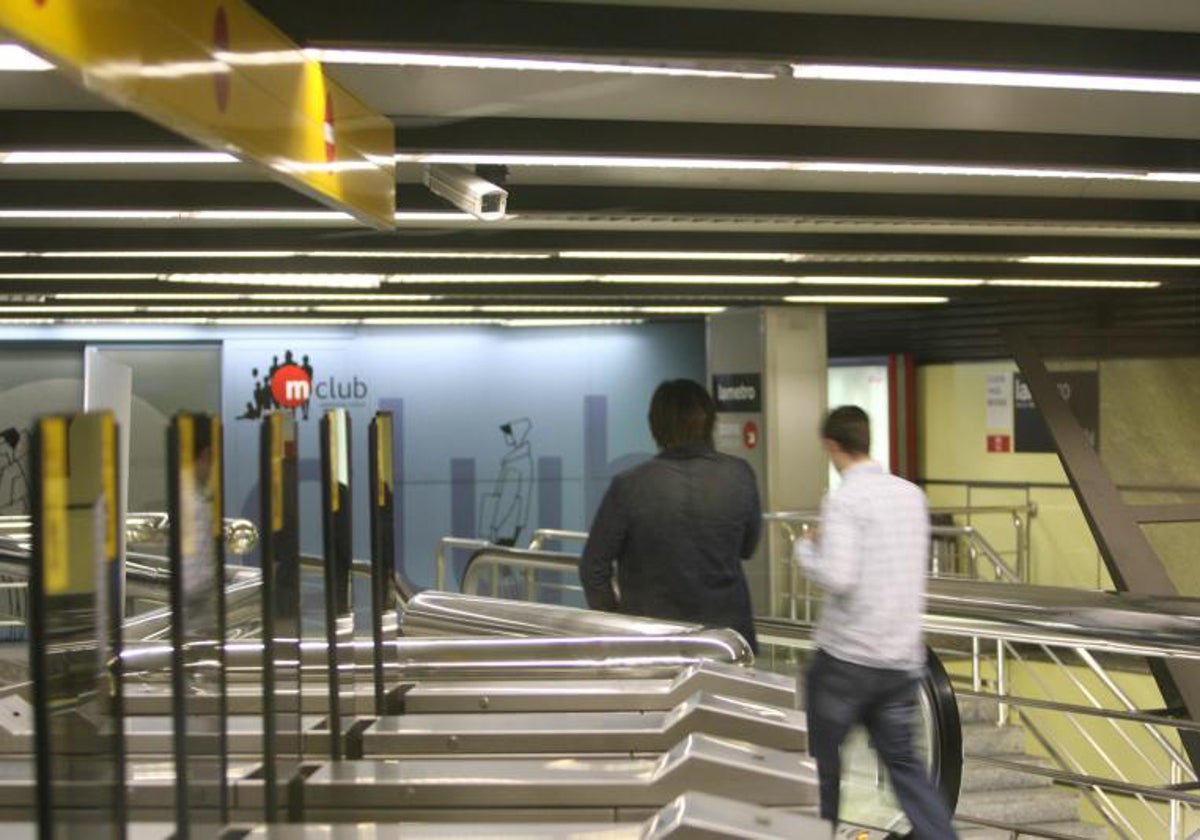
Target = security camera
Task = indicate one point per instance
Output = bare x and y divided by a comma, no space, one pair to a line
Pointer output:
467,191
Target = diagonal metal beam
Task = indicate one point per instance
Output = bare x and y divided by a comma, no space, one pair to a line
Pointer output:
1131,560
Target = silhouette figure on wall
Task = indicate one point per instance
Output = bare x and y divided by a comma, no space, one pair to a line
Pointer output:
14,471
263,401
504,511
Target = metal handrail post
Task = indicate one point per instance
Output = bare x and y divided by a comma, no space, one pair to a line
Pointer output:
1174,823
439,557
1001,683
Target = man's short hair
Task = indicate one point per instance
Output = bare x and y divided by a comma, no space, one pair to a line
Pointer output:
681,412
849,427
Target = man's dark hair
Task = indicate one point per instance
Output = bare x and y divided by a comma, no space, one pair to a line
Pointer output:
849,427
681,412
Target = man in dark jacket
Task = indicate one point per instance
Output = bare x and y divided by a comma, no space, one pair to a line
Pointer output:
678,526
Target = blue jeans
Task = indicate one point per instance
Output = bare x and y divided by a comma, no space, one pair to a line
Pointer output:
840,695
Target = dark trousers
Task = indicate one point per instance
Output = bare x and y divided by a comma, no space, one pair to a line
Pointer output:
840,695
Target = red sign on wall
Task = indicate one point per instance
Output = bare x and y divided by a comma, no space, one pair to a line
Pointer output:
999,443
750,434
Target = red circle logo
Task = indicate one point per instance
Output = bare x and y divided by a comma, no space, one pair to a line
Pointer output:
291,386
221,83
750,434
328,128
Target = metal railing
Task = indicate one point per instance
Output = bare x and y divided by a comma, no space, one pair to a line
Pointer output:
799,597
1128,762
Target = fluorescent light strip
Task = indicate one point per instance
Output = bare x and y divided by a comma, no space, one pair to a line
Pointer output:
78,275
995,78
570,322
166,255
234,296
429,255
698,279
380,58
533,309
1076,284
865,299
346,281
1164,262
386,322
285,322
145,296
715,256
78,158
15,58
43,310
490,278
882,168
834,280
783,165
257,310
397,308
627,161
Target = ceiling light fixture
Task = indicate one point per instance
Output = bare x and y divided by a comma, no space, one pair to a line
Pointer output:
146,296
865,299
43,310
166,255
339,281
1114,260
834,280
490,278
15,58
715,256
994,78
698,279
99,157
570,322
1075,284
381,58
395,308
77,275
784,165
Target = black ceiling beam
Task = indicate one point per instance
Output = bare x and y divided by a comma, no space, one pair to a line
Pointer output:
554,265
535,199
717,140
74,130
119,130
51,238
551,28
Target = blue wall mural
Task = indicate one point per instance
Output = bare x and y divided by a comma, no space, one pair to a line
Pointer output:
498,431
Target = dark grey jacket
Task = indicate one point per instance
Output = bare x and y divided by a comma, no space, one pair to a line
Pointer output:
678,527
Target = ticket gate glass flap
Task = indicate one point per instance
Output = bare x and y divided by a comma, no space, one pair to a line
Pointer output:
197,625
338,532
280,615
383,541
75,627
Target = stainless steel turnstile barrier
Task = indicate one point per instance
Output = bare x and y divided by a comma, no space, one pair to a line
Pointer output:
595,695
506,788
692,816
585,732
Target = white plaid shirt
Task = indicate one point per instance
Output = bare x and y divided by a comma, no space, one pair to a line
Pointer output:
870,561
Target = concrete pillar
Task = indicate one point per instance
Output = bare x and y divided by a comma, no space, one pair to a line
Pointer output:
767,372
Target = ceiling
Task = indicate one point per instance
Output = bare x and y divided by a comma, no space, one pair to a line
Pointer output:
763,170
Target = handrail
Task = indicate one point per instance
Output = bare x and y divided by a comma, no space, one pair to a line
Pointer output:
542,535
530,560
439,557
1049,635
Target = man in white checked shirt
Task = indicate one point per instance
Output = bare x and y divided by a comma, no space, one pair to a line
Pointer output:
869,556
